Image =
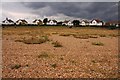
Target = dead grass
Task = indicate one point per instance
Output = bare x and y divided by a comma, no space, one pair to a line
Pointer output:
57,44
54,65
33,40
102,35
16,66
43,55
81,36
98,43
64,34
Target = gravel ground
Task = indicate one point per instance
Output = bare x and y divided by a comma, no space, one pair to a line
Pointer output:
77,58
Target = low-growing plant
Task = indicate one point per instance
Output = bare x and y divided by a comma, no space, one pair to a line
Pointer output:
97,43
63,34
54,33
113,35
34,40
57,44
16,66
81,36
102,35
94,61
43,55
54,65
61,58
93,36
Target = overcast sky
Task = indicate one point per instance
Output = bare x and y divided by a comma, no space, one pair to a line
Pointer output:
105,11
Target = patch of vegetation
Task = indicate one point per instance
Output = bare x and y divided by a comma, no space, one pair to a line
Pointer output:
57,44
97,43
93,61
43,55
61,58
33,40
54,33
16,66
27,65
113,35
63,34
72,61
92,36
54,65
102,35
81,36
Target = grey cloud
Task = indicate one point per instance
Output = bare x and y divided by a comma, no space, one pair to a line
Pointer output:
102,10
85,10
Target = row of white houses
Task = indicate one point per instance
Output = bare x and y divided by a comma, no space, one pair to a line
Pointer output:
94,22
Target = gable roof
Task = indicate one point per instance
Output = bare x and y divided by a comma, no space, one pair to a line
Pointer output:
9,20
37,20
66,21
85,21
97,20
23,20
53,21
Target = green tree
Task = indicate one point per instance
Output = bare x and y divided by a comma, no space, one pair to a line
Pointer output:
76,22
45,21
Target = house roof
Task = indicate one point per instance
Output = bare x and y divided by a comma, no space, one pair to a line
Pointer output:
37,20
66,21
23,20
85,21
9,20
97,20
53,21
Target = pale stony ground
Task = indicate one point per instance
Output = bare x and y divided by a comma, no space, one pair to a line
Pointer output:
78,58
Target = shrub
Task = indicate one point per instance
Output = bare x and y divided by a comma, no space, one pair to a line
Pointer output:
81,36
102,35
97,43
61,58
34,40
91,36
54,65
56,44
63,34
43,55
16,66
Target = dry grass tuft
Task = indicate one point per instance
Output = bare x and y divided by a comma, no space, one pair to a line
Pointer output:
33,40
43,55
97,43
16,66
64,34
57,44
81,36
54,65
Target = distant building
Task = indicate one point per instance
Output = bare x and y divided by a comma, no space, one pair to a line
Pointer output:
52,22
8,22
67,23
113,23
96,22
37,22
84,23
59,23
21,22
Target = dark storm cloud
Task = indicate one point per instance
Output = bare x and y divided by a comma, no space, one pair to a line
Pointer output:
89,10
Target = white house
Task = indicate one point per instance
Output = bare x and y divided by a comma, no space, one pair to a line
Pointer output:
37,22
67,23
84,23
8,22
52,22
96,22
21,22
